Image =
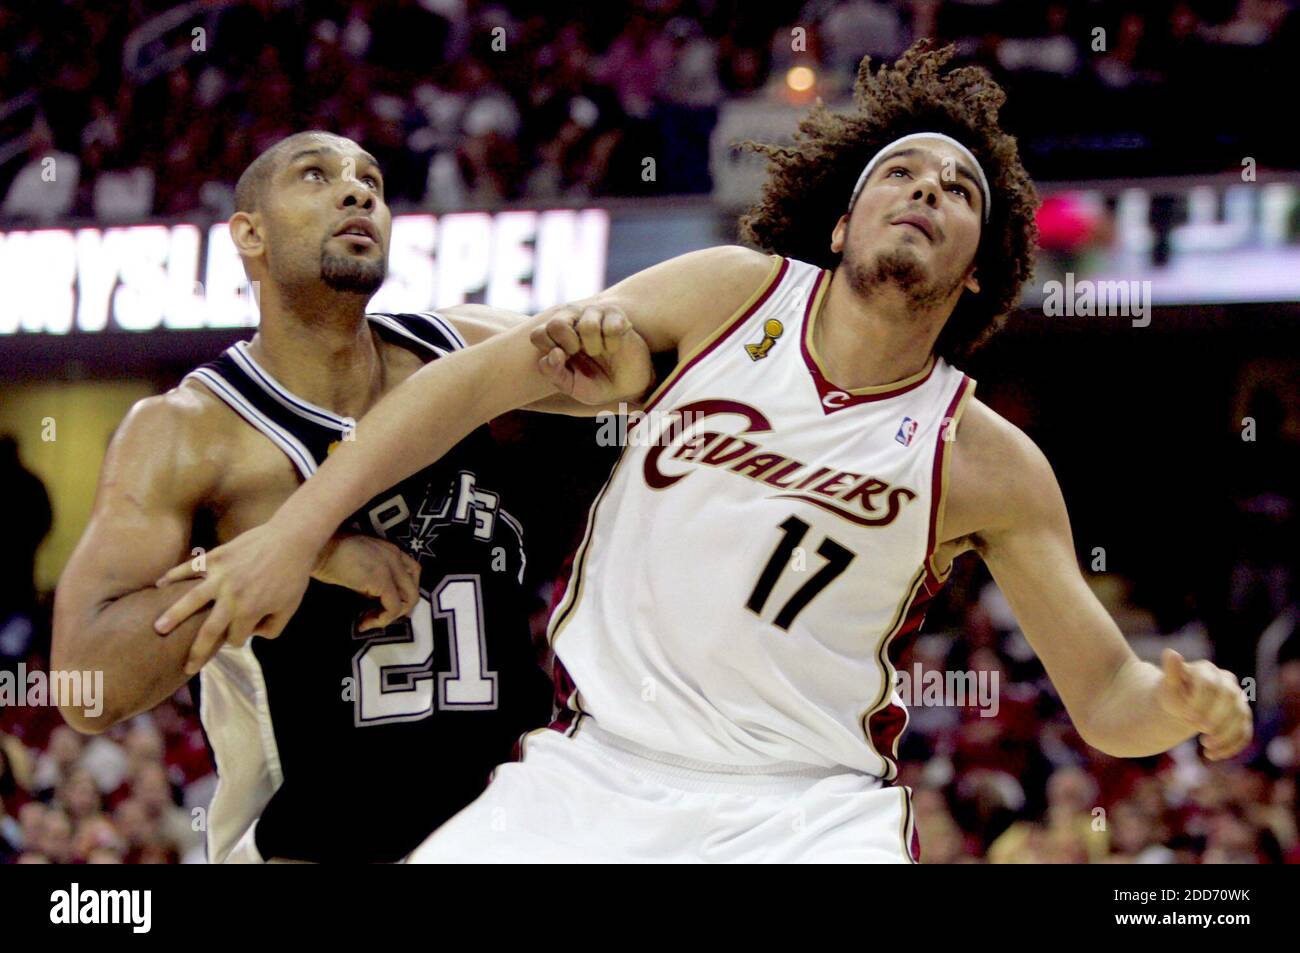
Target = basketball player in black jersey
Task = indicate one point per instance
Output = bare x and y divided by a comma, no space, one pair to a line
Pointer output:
361,727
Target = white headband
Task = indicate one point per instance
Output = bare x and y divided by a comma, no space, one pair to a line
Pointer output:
875,161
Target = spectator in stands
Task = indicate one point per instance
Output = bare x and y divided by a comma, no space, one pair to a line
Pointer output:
46,187
1137,836
687,97
78,796
58,760
855,29
27,524
98,841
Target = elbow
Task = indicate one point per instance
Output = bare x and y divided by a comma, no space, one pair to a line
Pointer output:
1093,734
82,700
1096,741
1108,743
84,722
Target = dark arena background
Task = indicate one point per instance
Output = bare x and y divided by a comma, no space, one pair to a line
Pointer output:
537,153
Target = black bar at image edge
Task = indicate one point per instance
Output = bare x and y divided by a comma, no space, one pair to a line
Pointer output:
301,903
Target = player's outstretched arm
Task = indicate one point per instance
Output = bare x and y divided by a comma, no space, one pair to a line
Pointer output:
255,582
621,376
674,306
1119,704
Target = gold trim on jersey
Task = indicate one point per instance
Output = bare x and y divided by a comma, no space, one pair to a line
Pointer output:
941,492
523,745
740,314
814,314
909,821
887,685
561,616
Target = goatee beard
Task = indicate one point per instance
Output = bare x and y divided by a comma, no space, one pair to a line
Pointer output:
903,271
352,274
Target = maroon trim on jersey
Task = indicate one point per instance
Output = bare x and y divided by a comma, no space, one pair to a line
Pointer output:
721,335
825,389
915,845
936,480
885,725
567,713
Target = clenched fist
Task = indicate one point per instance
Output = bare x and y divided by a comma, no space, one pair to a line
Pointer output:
593,354
374,568
1209,700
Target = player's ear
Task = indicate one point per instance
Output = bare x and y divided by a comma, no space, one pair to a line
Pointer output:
246,233
839,233
972,284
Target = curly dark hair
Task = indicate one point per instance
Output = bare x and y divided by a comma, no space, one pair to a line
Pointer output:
810,182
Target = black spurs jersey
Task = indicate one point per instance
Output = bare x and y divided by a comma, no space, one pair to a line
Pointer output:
344,745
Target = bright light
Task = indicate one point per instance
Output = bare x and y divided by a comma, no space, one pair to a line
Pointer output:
145,278
800,79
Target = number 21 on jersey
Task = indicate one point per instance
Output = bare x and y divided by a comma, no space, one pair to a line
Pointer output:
394,673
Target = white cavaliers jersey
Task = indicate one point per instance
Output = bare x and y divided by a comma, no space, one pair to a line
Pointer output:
763,539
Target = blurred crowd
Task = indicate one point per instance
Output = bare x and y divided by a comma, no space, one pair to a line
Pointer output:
137,795
153,108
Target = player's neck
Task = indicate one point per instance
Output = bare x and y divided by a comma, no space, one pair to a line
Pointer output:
867,343
325,353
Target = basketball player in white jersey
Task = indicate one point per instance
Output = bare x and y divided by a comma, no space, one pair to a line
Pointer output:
813,466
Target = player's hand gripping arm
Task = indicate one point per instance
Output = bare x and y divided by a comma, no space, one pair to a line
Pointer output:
1119,704
156,474
257,580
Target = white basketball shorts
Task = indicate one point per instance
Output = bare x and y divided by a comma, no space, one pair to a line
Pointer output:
596,798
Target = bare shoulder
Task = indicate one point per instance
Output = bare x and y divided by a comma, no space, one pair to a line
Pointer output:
401,362
719,266
186,414
680,302
998,478
177,441
736,259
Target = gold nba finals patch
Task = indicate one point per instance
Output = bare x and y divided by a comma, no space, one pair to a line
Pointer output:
772,329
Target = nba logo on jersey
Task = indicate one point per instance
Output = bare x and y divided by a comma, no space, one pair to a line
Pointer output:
906,431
